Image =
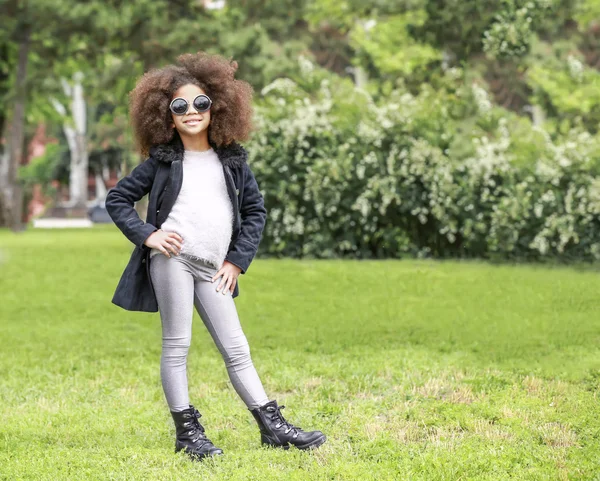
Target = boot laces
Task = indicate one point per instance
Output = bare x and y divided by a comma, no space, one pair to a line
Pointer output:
197,426
277,416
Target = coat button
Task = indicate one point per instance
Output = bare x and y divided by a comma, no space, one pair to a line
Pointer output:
158,211
143,261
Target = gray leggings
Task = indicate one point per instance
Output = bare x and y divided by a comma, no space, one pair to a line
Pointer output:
180,283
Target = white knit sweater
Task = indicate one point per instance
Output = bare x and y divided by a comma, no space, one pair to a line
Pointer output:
202,214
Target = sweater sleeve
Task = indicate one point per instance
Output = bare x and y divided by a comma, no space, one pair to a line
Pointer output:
120,201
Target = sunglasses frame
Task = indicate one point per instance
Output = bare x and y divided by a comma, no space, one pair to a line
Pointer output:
188,105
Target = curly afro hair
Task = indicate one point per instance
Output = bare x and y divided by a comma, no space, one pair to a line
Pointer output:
231,110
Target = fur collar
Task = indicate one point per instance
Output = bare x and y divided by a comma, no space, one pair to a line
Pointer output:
233,155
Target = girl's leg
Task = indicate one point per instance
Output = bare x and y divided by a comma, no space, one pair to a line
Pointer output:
174,287
219,314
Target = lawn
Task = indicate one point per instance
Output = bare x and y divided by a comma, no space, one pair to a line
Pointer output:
419,370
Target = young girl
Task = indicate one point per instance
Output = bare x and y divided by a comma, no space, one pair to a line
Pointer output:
204,223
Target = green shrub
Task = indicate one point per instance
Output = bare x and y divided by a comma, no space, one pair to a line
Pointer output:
443,173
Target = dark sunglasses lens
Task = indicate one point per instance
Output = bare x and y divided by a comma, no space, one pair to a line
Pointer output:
179,106
201,103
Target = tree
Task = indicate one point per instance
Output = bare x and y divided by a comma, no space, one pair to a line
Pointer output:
38,40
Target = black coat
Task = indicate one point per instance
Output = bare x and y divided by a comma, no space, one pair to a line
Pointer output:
161,175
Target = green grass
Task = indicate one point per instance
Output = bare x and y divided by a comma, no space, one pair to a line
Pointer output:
415,370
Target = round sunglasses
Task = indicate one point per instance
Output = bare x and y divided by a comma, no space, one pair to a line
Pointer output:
179,105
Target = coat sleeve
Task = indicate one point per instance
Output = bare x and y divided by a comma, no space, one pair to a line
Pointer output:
254,216
120,201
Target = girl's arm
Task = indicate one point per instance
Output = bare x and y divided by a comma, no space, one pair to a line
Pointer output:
254,216
121,198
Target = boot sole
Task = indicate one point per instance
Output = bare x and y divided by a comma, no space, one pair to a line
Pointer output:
198,456
312,445
315,444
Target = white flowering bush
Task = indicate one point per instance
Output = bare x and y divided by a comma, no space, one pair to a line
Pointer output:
441,173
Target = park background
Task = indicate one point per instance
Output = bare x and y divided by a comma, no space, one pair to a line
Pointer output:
426,290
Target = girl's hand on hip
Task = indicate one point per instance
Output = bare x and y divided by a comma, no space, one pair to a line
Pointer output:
230,273
165,242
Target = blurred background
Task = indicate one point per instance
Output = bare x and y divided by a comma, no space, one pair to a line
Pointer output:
384,128
394,132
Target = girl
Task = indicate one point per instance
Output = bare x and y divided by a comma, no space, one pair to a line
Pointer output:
203,227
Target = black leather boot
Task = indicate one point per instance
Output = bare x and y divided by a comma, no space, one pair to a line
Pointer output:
189,435
276,431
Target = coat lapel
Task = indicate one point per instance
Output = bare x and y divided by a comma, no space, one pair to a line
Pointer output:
174,183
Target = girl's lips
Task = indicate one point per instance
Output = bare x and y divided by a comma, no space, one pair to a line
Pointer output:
193,121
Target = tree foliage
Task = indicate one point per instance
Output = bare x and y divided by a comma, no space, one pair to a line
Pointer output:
479,104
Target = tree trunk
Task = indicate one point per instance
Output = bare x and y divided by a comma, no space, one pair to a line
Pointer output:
11,193
100,188
76,138
78,184
4,194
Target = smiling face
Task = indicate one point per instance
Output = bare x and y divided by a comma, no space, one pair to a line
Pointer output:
192,123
